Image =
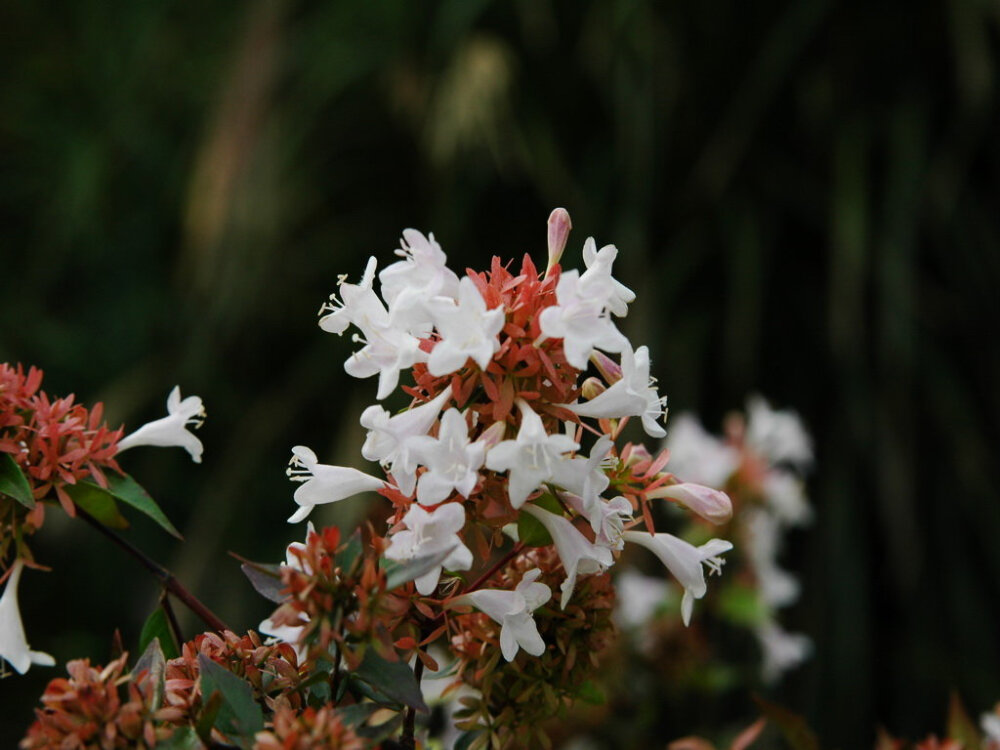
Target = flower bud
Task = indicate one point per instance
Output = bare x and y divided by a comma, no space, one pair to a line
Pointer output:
610,370
592,388
559,226
492,435
712,505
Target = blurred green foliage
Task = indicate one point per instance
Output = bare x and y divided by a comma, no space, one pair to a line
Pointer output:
804,195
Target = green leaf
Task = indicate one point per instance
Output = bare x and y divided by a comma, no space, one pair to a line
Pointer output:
796,731
210,708
13,482
154,664
465,741
741,605
239,715
157,627
531,532
97,502
184,738
357,714
591,692
130,492
395,679
398,573
379,732
350,553
266,580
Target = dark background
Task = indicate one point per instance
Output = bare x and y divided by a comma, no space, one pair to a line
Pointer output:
805,199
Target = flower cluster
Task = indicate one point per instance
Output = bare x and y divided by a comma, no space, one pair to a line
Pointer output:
759,463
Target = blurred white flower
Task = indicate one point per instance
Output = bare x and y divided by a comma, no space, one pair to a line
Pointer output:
637,597
781,650
786,498
684,562
429,533
697,456
779,436
777,587
532,458
452,461
512,609
13,642
990,723
579,556
172,429
468,331
322,483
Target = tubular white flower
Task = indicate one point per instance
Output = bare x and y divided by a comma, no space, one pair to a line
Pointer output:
530,459
684,562
579,556
428,533
421,275
322,483
581,320
632,396
172,430
512,609
468,331
13,642
597,280
358,305
389,437
452,461
585,476
291,634
607,517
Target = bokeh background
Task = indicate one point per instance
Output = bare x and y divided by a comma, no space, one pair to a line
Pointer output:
805,197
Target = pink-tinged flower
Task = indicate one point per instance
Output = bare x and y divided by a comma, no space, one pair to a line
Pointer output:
389,439
467,329
421,275
322,483
632,396
581,320
579,556
559,229
712,505
684,562
13,643
530,459
430,533
452,460
172,429
512,609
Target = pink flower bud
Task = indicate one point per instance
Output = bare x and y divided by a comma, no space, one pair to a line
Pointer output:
559,226
712,505
492,435
610,370
592,388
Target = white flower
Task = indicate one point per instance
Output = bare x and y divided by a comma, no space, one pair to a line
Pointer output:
632,396
712,505
684,562
387,348
468,331
172,429
777,587
512,609
637,597
428,533
779,436
597,281
452,461
581,320
786,497
389,438
697,456
322,483
13,643
607,517
408,284
585,476
781,650
579,556
530,459
990,723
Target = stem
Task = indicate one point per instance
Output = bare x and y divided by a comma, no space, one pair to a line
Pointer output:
408,740
165,577
494,568
175,626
